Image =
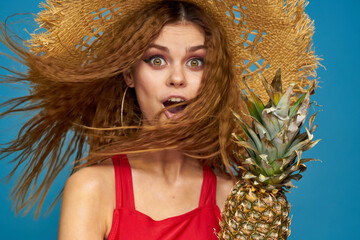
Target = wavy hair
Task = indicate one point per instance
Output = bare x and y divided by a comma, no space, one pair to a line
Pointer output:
81,105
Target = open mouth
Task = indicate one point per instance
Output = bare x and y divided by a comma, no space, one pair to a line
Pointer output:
173,101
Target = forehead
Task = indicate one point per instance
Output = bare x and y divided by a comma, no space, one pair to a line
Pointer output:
181,33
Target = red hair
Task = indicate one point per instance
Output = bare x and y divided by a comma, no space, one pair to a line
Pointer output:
80,105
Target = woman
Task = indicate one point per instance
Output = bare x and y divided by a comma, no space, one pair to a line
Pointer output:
171,67
154,80
167,184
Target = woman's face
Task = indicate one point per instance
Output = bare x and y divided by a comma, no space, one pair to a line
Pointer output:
170,71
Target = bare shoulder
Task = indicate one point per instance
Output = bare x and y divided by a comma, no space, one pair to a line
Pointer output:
223,188
90,180
86,203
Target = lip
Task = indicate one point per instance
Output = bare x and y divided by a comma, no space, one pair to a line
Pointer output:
167,113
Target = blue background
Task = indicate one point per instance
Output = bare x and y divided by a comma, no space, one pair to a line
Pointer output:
325,204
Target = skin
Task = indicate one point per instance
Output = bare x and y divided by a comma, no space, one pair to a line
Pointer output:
89,195
171,67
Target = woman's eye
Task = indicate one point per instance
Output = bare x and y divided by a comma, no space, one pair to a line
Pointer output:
156,61
195,62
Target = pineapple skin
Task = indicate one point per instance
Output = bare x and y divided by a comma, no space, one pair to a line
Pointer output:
254,213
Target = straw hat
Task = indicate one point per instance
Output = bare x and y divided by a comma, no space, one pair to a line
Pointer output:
263,35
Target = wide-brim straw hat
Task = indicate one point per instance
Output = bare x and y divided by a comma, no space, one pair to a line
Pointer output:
263,35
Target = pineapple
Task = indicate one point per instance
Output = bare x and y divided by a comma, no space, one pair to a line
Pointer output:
257,207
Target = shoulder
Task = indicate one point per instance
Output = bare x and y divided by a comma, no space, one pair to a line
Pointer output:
223,188
89,180
87,203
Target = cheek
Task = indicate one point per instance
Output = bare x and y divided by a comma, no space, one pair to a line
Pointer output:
147,87
194,81
146,77
144,82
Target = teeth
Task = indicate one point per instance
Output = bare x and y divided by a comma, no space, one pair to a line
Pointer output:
175,99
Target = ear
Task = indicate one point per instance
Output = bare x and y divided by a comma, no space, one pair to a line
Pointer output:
129,78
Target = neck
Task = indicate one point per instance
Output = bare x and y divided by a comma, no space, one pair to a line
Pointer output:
168,164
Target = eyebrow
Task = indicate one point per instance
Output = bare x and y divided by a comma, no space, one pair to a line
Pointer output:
191,49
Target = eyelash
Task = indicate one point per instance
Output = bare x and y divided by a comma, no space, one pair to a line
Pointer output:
151,58
201,60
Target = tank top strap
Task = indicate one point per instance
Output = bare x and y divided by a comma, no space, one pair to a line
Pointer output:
123,182
208,190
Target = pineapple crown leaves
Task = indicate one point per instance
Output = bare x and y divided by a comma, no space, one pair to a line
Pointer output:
274,141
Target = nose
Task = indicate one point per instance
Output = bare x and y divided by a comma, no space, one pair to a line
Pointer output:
177,77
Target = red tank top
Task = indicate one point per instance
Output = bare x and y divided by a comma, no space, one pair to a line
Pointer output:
201,223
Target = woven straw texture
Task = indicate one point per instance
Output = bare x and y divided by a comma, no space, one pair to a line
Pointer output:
263,35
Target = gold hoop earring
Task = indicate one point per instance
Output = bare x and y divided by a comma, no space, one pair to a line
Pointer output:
122,111
140,122
122,107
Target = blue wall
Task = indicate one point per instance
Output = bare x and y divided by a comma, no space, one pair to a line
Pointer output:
325,204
